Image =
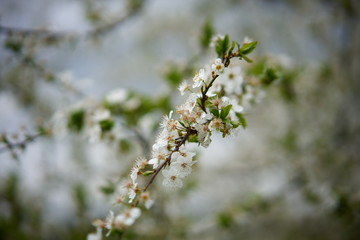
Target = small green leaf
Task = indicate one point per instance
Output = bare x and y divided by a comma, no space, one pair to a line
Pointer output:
106,125
207,32
214,112
124,145
241,120
193,138
225,111
76,120
224,220
182,124
244,57
269,76
232,47
109,188
147,173
174,75
198,101
248,47
226,42
13,45
235,124
222,46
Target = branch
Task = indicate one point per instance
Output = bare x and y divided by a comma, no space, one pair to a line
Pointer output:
11,146
168,159
29,60
145,145
53,35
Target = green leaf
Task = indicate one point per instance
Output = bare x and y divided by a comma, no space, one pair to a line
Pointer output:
13,45
207,33
174,75
124,145
224,220
225,111
232,47
182,124
193,138
244,57
76,120
241,120
222,46
147,173
80,196
248,47
214,112
109,188
198,101
106,125
235,124
269,76
226,43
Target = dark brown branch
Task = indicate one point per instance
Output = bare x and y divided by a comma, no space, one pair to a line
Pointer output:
168,159
204,97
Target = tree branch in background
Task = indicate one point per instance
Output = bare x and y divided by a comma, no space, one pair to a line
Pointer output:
134,7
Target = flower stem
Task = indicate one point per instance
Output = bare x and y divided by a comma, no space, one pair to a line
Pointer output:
168,159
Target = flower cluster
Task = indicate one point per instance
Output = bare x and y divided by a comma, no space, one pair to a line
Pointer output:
215,102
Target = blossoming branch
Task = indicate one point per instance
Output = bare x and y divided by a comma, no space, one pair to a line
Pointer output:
215,102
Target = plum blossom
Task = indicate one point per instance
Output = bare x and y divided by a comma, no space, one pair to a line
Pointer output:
117,96
145,198
218,66
172,178
183,87
127,218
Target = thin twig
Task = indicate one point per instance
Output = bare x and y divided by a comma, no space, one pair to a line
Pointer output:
62,35
11,146
47,75
168,159
145,145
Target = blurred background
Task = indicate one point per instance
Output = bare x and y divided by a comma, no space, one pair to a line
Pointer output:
293,173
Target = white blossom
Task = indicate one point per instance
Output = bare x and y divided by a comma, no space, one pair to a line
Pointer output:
140,163
203,134
160,150
117,96
127,218
199,78
94,236
109,222
218,66
132,104
65,77
101,115
215,39
98,235
132,193
172,178
231,81
145,198
183,87
182,163
247,40
134,173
